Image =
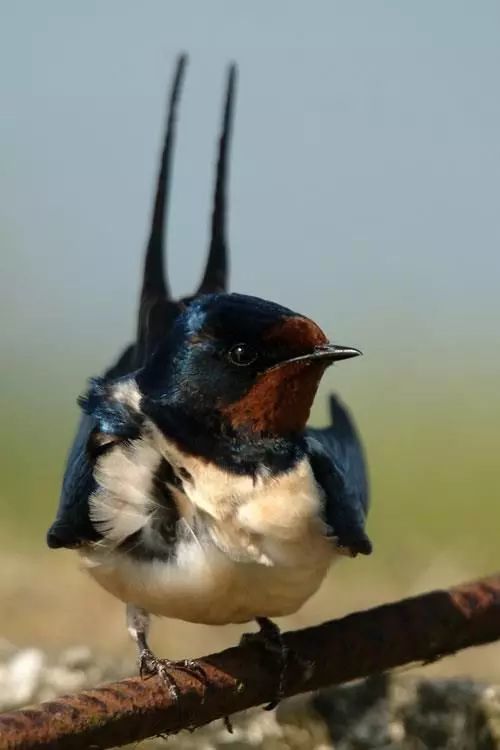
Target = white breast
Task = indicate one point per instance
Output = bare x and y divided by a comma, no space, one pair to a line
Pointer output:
247,547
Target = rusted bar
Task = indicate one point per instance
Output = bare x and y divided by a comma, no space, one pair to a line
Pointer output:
420,629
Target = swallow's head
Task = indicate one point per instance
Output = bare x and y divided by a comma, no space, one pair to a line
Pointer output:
249,364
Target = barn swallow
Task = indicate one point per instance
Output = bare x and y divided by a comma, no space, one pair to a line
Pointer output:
194,489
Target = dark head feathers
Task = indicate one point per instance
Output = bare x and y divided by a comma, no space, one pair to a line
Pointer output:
157,309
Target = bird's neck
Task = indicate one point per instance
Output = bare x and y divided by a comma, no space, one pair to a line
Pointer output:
208,436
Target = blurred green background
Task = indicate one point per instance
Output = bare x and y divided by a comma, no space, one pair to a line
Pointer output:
365,191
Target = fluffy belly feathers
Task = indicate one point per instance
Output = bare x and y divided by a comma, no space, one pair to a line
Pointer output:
205,586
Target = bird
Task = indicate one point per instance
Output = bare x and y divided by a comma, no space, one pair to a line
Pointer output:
194,488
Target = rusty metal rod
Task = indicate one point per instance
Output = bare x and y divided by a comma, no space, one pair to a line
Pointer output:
421,629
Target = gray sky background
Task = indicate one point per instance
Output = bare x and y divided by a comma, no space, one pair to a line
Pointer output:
365,176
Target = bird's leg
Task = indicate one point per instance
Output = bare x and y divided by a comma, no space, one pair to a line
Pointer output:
270,637
149,664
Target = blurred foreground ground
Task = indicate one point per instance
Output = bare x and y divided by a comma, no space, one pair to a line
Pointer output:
390,712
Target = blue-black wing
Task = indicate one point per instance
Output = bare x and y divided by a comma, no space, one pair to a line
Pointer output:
157,312
339,467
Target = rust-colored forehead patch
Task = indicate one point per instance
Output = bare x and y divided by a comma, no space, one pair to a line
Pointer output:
300,334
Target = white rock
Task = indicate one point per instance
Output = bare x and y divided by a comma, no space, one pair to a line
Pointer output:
21,678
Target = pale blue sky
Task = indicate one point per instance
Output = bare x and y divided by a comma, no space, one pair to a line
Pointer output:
365,181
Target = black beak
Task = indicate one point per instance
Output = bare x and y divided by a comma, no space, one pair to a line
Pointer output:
329,353
334,353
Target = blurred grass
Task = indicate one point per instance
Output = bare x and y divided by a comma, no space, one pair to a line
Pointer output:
432,441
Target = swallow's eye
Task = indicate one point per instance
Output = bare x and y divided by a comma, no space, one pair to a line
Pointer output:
242,355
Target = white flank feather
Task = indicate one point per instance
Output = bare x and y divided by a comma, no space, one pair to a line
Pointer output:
122,504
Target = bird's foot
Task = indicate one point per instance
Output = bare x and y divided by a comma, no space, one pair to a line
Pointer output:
150,665
269,636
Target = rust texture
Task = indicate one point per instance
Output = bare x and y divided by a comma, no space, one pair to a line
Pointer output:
420,629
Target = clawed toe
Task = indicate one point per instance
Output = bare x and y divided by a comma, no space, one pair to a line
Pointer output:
150,665
191,666
271,639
